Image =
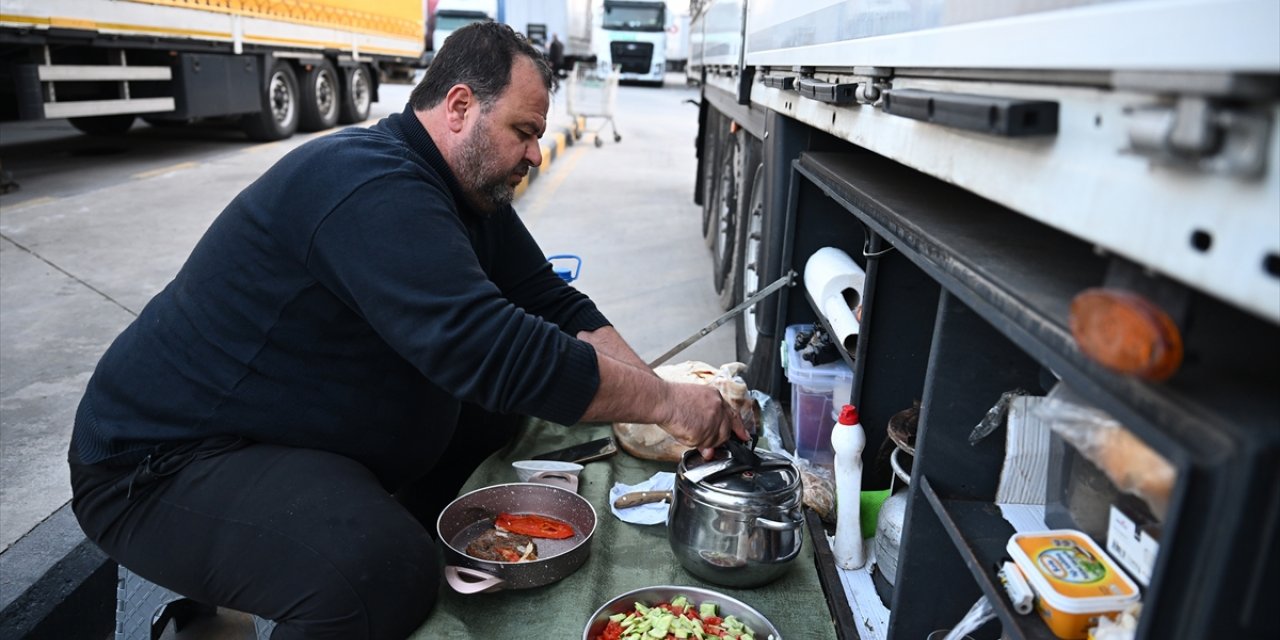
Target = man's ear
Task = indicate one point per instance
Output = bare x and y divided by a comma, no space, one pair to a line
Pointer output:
457,101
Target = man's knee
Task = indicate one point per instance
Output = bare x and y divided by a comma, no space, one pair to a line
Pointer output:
383,594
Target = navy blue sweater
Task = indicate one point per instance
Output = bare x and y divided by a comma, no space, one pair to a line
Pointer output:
346,301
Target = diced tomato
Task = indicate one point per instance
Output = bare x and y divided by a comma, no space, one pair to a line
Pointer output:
612,631
534,526
713,619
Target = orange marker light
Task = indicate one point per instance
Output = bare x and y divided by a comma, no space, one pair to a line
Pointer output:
1126,333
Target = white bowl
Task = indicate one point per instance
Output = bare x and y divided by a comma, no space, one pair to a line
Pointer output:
527,469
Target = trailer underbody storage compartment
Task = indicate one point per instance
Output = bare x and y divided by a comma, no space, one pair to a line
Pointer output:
1063,219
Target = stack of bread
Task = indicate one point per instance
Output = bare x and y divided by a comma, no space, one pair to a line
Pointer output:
651,442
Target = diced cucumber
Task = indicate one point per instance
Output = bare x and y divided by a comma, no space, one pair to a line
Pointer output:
707,609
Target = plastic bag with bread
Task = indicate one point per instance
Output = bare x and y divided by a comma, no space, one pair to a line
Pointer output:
1128,462
651,442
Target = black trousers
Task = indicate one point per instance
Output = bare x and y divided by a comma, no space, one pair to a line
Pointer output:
307,538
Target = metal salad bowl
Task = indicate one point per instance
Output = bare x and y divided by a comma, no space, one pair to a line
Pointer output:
725,605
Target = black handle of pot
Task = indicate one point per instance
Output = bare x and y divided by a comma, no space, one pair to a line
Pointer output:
743,453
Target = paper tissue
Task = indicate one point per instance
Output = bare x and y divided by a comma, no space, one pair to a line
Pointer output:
834,282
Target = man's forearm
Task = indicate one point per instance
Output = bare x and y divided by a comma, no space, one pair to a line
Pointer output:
627,394
609,342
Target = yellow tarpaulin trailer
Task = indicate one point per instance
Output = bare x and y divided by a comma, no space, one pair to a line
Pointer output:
278,65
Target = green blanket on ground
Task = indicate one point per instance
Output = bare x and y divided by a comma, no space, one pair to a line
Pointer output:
623,557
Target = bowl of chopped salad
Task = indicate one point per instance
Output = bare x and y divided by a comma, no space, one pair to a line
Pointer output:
670,612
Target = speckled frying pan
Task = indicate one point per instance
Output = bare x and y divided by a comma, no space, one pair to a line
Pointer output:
472,514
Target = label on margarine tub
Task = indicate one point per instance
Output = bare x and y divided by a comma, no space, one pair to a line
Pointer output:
1073,566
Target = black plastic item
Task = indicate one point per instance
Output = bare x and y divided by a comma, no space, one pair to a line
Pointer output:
816,347
988,114
742,452
786,83
582,453
828,92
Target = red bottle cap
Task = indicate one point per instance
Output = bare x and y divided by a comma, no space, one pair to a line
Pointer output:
849,415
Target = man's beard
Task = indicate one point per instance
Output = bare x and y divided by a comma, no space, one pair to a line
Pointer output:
484,180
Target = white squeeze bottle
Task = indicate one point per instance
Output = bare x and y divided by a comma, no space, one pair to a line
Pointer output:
847,440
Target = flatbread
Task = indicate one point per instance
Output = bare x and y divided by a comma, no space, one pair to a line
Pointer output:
651,442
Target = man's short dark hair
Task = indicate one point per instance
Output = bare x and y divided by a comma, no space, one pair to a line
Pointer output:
479,55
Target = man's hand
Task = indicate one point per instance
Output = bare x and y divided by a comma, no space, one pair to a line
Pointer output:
701,418
694,414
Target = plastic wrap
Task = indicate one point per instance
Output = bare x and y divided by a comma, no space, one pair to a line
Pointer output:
995,416
1123,627
978,615
1128,463
819,485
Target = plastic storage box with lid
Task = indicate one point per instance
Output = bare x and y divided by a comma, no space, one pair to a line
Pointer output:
1074,580
813,410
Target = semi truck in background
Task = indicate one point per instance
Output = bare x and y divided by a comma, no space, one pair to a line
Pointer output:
1004,172
539,20
678,42
277,67
632,35
451,15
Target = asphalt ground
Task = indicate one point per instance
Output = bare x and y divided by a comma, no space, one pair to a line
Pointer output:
98,226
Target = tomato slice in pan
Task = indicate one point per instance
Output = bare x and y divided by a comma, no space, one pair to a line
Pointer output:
535,526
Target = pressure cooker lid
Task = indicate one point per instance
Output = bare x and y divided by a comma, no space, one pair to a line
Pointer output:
773,474
767,478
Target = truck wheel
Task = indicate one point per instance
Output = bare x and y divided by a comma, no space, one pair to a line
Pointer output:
710,177
357,95
104,125
320,97
278,118
724,222
740,157
750,267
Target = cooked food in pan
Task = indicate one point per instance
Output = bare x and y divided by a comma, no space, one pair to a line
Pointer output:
503,546
534,526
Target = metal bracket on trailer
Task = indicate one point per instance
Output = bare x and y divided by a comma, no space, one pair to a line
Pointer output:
987,114
785,83
828,92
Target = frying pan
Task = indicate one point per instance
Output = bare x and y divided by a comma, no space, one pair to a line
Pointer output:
472,514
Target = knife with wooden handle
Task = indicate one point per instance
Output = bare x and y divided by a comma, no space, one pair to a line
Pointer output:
637,498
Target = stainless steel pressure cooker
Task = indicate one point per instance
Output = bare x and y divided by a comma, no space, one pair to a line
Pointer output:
733,523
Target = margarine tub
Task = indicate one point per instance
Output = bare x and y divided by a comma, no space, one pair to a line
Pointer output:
1075,582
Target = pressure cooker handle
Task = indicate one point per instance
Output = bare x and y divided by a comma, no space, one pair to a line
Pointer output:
774,525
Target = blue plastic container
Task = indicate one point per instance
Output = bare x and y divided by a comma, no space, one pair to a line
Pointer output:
567,274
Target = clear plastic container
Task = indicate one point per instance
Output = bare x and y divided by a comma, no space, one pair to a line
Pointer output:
814,408
1074,580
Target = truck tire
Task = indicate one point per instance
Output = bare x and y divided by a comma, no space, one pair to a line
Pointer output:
113,125
321,97
710,175
357,95
278,118
726,213
750,260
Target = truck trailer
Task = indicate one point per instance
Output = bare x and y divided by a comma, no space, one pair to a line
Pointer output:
1023,185
277,67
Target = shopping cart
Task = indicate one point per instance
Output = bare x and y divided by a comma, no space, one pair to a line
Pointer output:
593,90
